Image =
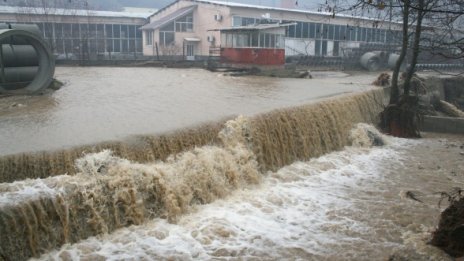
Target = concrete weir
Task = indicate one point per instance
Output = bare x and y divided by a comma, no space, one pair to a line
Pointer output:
109,191
27,65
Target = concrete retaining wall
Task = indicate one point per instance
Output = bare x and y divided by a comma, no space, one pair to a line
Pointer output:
443,124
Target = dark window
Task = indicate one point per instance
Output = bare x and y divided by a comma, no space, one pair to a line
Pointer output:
48,30
337,33
100,31
272,43
75,31
262,40
299,30
331,32
358,34
318,48
312,30
101,45
248,21
305,30
124,31
336,48
168,28
139,45
125,46
42,29
132,32
67,31
76,45
59,31
352,34
369,35
131,46
325,31
92,46
166,38
109,31
109,46
85,31
93,31
291,31
68,46
364,35
324,48
318,31
161,38
116,32
59,46
117,45
255,40
342,33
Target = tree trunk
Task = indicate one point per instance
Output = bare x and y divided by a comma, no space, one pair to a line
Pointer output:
395,93
415,47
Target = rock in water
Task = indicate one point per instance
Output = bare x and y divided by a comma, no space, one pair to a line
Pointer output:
365,135
450,233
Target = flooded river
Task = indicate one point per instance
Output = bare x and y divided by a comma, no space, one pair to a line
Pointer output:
347,205
303,182
101,104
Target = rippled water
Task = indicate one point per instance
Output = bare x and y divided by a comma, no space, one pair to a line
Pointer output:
347,205
100,104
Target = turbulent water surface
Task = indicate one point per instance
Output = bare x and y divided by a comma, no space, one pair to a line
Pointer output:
101,104
346,205
300,183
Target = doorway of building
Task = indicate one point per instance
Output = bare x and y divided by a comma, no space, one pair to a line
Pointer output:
190,52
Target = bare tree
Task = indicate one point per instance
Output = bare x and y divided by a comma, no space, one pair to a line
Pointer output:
427,25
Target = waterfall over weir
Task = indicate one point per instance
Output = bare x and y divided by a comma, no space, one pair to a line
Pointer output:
123,186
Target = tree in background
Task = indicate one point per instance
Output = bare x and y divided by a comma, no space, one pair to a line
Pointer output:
427,25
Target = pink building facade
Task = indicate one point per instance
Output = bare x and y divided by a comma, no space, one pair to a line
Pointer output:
191,29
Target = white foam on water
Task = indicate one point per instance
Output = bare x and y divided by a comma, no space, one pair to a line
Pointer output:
27,190
336,207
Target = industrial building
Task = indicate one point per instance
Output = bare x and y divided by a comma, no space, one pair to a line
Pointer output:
84,34
201,28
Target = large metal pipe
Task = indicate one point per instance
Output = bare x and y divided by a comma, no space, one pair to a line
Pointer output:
32,28
20,74
371,61
19,55
46,63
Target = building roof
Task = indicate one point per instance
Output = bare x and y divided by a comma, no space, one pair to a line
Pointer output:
69,12
169,18
269,8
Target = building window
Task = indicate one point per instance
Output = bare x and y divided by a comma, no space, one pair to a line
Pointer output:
312,30
148,37
336,48
185,24
166,38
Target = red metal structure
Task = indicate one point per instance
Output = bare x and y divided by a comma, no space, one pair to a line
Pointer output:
262,44
258,56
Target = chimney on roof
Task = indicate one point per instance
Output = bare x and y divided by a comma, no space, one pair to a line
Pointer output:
290,4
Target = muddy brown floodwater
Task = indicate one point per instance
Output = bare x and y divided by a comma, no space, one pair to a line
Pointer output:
102,104
346,205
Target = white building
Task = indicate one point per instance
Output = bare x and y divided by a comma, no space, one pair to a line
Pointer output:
185,27
84,34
